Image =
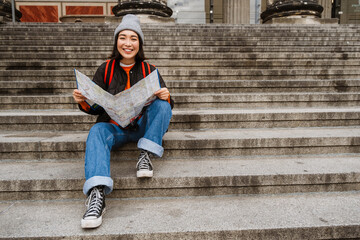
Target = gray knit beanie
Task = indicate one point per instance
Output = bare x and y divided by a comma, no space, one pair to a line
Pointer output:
130,22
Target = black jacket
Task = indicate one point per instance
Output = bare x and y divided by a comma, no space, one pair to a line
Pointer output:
118,84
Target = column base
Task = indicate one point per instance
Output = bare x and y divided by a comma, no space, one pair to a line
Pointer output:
147,18
152,7
303,21
292,8
4,19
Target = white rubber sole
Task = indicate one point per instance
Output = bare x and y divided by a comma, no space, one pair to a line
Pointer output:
144,174
92,223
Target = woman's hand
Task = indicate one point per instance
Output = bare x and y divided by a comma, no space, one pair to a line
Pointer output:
162,93
78,97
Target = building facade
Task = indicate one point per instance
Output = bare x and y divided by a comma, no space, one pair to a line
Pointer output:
184,11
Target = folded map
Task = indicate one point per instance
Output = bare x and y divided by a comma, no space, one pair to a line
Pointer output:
125,106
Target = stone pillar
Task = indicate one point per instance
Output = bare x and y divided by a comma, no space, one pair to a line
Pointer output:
236,12
291,9
6,12
327,5
149,7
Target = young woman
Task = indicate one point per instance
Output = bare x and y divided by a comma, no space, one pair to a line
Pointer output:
126,68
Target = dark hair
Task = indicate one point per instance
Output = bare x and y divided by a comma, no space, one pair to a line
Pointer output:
140,56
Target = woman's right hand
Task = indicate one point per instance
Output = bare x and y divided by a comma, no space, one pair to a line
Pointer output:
78,97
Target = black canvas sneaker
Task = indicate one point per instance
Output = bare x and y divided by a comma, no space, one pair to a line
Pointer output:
144,166
95,204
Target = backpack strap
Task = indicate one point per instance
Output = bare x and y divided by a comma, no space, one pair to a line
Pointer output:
107,80
143,69
106,70
145,66
149,70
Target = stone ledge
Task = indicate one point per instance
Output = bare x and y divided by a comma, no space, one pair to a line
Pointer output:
186,177
89,19
226,142
301,216
144,18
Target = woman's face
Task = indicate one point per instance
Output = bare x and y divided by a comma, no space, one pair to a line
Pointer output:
128,45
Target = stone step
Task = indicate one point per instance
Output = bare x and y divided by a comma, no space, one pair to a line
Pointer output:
49,180
180,37
201,74
265,100
283,216
196,53
150,31
66,101
194,86
181,28
95,26
75,120
258,76
158,33
188,28
202,42
243,86
171,56
66,64
203,100
149,49
210,142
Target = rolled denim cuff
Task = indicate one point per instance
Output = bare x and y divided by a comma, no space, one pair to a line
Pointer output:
98,181
150,146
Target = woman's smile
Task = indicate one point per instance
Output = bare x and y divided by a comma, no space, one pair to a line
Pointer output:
128,45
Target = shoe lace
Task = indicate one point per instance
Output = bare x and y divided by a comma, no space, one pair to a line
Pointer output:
94,202
144,161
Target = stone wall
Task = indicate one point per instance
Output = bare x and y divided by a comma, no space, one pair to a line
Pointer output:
52,11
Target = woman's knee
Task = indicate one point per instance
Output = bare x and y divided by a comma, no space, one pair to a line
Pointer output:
161,106
102,130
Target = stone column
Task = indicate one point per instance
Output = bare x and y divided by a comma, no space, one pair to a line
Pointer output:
148,7
291,9
6,12
327,5
236,11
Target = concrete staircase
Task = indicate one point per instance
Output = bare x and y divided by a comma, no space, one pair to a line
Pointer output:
263,144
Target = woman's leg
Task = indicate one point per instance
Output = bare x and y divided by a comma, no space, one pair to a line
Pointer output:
101,139
153,125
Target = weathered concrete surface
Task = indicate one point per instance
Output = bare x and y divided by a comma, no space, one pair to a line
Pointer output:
276,73
75,120
202,100
298,216
186,177
153,49
213,142
72,62
197,86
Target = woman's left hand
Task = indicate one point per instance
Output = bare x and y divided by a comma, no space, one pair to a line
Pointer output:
162,93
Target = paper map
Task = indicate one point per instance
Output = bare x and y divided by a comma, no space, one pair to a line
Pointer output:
124,106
